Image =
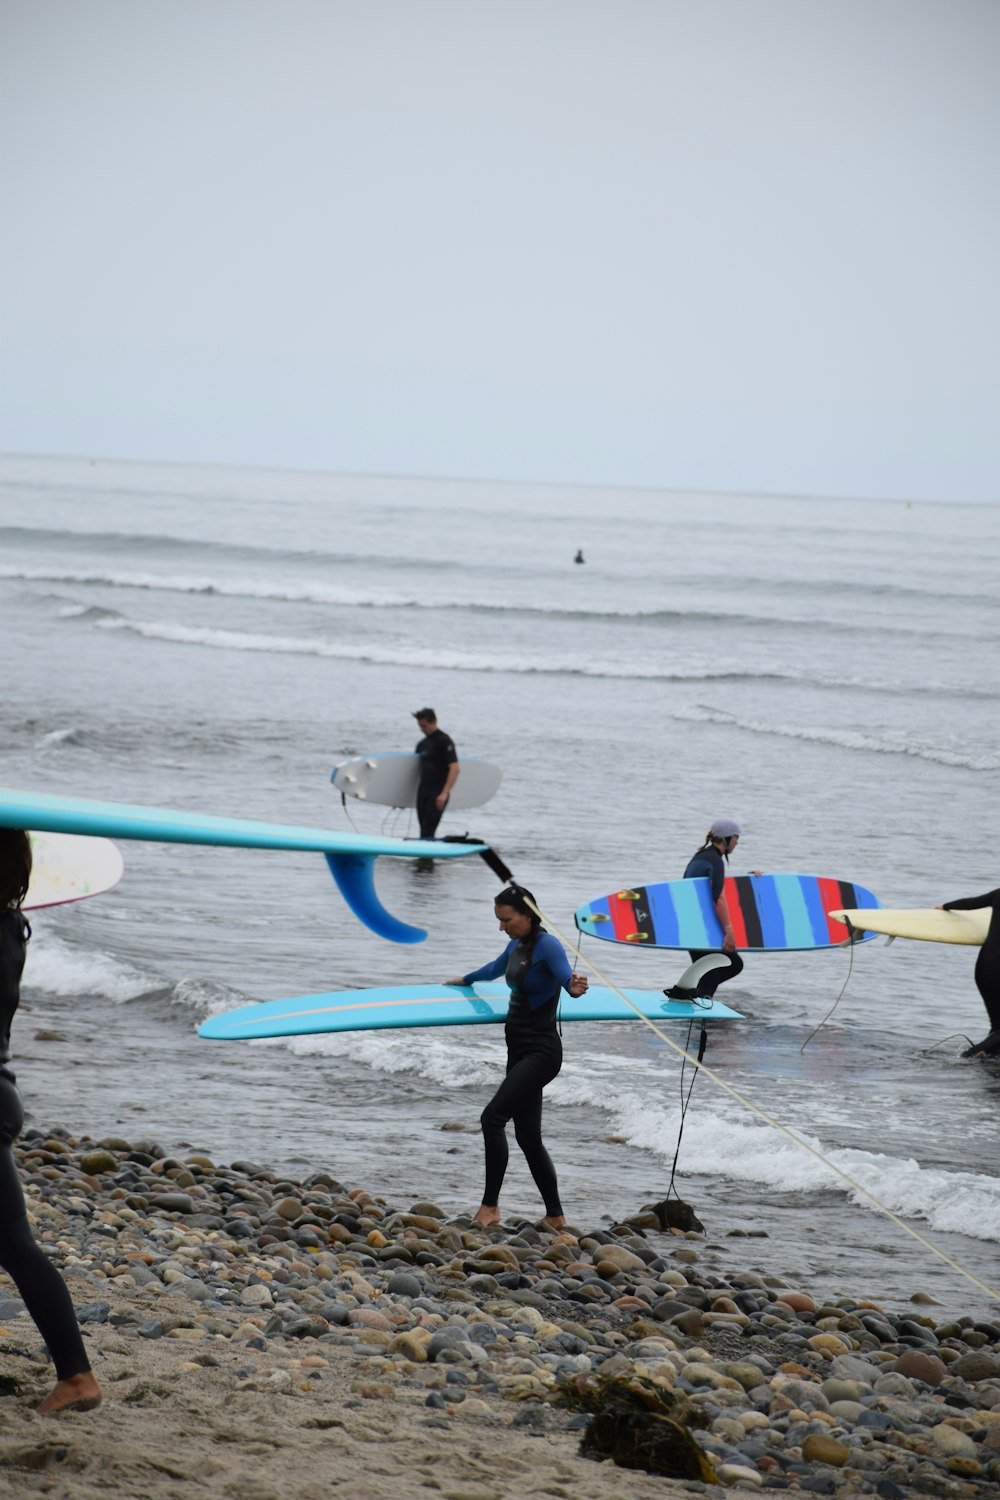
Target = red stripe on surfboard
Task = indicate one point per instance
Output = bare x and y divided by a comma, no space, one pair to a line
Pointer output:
736,912
622,918
830,898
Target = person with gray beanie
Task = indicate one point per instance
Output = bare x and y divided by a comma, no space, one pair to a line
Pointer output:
709,862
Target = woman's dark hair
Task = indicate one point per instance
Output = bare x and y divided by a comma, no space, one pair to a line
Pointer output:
518,896
15,867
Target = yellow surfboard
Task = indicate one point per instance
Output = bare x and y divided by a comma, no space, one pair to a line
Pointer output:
927,925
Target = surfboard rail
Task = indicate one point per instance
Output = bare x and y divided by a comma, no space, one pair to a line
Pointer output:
351,856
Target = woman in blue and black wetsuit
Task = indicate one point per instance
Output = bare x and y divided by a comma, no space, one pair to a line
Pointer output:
536,969
36,1278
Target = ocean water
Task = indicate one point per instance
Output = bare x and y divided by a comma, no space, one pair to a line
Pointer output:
824,671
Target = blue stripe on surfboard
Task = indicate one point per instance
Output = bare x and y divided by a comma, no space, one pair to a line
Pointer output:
692,900
664,915
819,930
433,1005
779,903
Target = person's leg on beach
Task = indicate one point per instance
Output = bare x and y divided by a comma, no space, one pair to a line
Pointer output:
520,1082
43,1291
493,1121
519,1098
528,1133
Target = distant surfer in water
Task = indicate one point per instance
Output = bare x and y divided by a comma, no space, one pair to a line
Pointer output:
438,771
710,862
42,1288
537,970
987,972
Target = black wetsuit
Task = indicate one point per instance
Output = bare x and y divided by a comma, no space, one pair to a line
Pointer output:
437,753
987,972
36,1278
709,863
536,971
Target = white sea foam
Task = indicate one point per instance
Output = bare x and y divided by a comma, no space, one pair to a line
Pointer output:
847,739
58,737
376,598
416,656
551,664
738,1149
207,997
430,1054
63,968
233,588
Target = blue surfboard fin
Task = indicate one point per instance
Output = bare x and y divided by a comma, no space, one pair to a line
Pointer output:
355,877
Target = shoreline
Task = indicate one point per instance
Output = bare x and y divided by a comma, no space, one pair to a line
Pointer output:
257,1334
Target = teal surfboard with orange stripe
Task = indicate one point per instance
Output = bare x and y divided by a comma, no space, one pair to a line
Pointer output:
420,1005
769,913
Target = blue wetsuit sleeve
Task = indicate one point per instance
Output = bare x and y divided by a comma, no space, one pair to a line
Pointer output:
492,970
549,954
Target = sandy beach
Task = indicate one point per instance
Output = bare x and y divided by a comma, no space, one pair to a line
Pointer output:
258,1336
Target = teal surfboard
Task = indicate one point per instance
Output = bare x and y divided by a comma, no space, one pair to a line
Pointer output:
350,856
769,913
419,1005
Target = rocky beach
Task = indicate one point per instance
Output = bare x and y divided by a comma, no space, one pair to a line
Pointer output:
261,1336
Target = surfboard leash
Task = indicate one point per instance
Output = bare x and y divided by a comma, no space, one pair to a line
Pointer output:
686,1099
756,1109
852,943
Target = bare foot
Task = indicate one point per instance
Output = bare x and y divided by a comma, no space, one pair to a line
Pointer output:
485,1215
554,1221
75,1393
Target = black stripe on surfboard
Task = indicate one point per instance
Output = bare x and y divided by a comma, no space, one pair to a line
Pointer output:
643,916
748,907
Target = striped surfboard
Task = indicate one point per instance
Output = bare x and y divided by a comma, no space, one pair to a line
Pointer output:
769,913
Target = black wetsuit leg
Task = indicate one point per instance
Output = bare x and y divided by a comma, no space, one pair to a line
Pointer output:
519,1098
710,982
428,813
42,1288
987,975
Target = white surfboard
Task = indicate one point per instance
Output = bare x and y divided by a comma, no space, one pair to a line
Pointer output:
390,778
927,925
70,867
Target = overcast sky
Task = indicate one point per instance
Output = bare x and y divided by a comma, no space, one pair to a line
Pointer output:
739,244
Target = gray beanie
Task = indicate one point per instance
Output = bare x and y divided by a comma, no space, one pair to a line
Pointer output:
725,828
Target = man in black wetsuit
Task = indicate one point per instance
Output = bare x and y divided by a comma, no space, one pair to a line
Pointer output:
438,771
